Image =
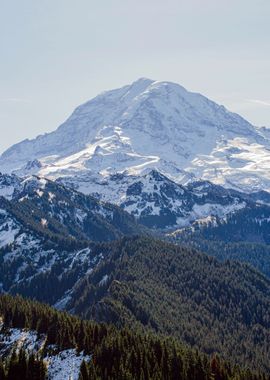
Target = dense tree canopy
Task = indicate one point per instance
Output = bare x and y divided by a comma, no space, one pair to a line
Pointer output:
116,354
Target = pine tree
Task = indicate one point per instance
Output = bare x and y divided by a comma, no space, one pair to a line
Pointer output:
22,364
176,366
92,372
81,337
84,374
13,368
2,371
215,367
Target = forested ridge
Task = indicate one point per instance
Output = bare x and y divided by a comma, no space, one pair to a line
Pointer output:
250,224
255,254
115,354
213,306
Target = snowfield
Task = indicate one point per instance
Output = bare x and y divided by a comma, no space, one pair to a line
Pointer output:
65,365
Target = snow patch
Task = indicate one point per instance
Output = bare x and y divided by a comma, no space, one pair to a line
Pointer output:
104,280
8,233
65,365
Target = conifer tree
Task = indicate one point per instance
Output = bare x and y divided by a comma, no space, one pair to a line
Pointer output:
2,371
84,374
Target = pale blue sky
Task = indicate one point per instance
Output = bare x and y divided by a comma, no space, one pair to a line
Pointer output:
56,54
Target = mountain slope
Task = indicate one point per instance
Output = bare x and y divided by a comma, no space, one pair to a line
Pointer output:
243,235
250,224
47,233
158,202
216,307
255,254
63,342
143,126
58,212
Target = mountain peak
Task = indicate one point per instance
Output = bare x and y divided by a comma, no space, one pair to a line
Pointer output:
145,125
142,82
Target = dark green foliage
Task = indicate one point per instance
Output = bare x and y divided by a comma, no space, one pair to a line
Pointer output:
116,354
213,306
255,254
84,372
61,328
21,366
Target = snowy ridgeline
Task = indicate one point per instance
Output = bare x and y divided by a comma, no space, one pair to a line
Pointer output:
63,365
151,194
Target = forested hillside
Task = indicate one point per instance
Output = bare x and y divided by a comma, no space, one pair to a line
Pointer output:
243,236
115,354
251,224
145,283
255,254
213,306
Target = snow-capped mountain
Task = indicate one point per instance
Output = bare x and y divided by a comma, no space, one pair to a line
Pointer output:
143,126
